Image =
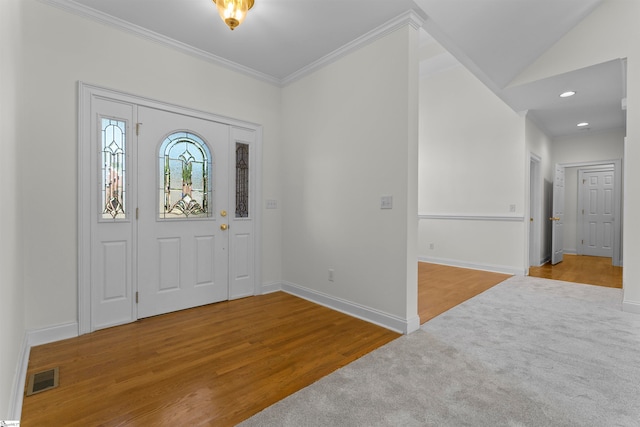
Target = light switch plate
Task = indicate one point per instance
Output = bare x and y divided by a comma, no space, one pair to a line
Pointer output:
272,204
386,202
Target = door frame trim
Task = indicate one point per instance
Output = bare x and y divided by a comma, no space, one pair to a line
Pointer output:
617,258
580,204
87,92
535,211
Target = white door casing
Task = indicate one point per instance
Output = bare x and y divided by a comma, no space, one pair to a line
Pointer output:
618,208
596,214
108,249
535,209
557,220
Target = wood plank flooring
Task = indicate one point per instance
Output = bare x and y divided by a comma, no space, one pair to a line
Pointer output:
442,287
218,364
582,269
212,365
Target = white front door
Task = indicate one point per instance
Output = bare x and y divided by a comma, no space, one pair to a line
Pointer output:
183,242
597,210
167,208
557,220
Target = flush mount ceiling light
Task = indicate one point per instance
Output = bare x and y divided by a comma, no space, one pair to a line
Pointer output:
233,12
583,124
567,94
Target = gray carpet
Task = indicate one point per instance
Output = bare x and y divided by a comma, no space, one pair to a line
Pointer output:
527,352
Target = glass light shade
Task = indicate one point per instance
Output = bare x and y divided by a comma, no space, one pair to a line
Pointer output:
233,12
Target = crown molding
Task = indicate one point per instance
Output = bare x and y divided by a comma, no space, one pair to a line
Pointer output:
87,12
411,18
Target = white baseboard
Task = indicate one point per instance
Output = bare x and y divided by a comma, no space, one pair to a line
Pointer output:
52,334
15,403
631,306
394,323
270,287
33,338
475,266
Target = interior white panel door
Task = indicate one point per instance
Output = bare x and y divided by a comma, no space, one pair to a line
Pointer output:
183,238
557,220
597,189
111,213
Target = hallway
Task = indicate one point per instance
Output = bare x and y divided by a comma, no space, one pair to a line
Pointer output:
582,269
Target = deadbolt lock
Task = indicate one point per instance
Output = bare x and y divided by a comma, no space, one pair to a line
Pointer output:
223,213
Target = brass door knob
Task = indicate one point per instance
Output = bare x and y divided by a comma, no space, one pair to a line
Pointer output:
223,227
223,213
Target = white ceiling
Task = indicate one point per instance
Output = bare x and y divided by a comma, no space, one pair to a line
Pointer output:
498,39
494,39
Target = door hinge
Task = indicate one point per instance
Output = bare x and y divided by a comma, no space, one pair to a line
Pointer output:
138,129
137,210
136,297
582,211
584,181
582,242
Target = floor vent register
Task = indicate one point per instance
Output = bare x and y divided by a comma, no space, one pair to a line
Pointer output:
42,381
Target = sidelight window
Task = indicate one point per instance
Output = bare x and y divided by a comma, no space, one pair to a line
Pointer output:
242,180
113,136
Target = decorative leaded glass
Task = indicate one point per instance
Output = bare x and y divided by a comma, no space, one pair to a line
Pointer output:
184,183
113,168
242,180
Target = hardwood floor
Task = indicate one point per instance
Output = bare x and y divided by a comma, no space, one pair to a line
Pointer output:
218,364
212,365
441,287
582,269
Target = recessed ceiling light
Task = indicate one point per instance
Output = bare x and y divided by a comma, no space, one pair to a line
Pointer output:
567,94
583,124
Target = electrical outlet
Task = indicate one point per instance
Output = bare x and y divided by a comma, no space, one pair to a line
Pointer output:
512,208
331,274
432,246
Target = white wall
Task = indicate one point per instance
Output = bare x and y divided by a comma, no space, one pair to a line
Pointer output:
350,137
59,49
585,148
472,164
13,193
589,147
610,32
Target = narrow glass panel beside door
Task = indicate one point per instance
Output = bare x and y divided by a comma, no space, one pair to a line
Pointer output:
113,136
242,180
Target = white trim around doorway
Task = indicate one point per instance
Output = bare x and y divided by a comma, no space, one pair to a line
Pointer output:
87,92
618,256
